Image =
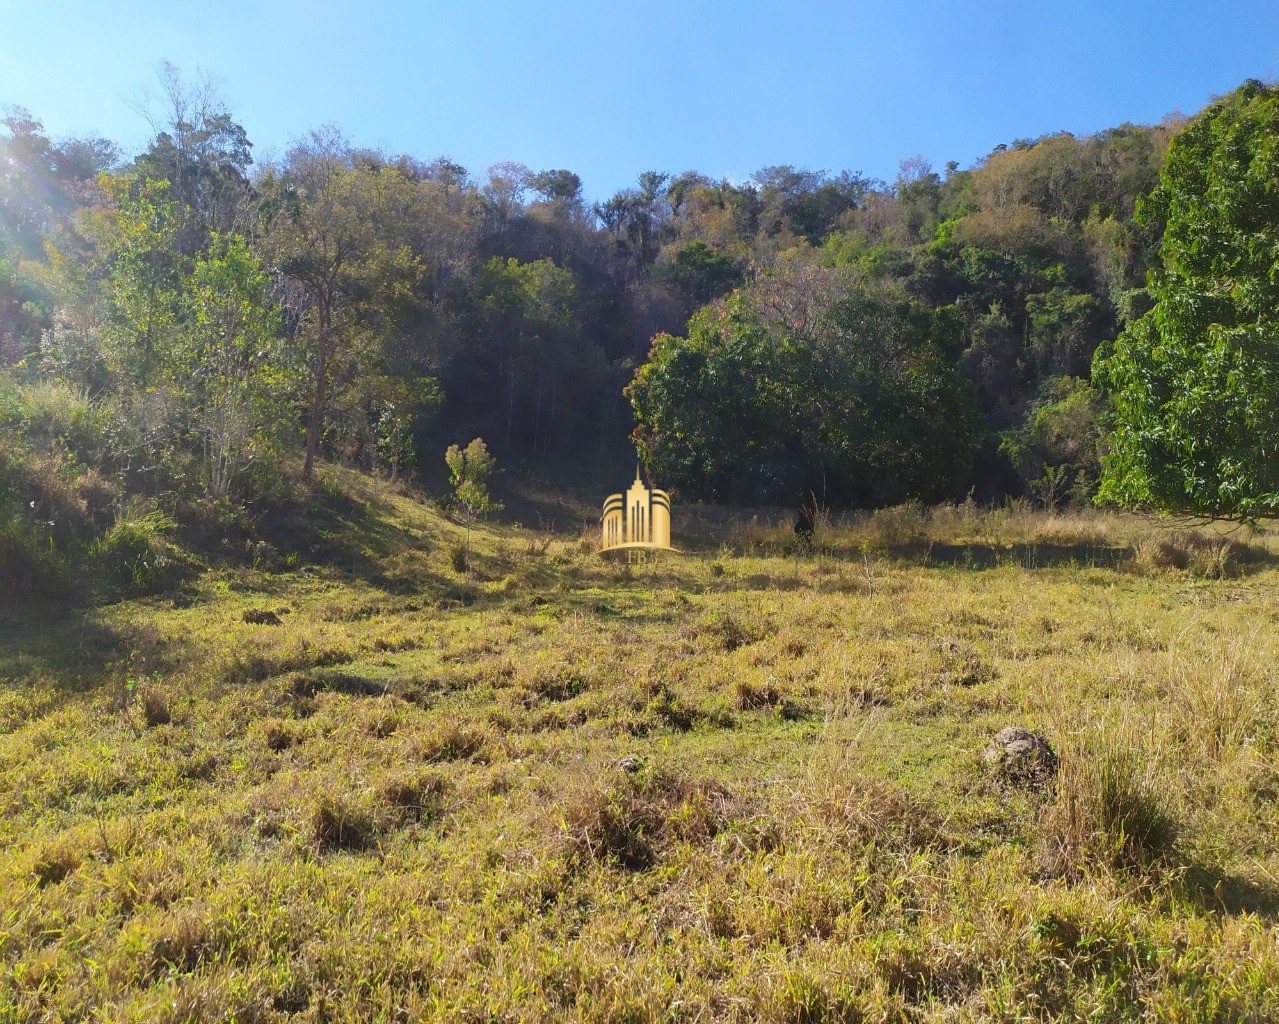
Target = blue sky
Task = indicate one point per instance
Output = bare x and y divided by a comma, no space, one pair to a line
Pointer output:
610,89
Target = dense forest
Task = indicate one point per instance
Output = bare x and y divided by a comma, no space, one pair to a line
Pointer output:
178,324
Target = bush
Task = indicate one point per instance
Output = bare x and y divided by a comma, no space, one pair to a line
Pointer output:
28,561
898,526
135,554
54,416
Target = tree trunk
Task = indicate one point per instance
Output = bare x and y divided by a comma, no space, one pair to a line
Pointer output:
319,396
510,395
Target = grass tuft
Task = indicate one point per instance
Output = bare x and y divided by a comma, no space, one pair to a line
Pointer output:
1108,812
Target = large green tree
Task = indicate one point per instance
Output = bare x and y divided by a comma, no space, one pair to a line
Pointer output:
229,365
807,390
339,237
1195,380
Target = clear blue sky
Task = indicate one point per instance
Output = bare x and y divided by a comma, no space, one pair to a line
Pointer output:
609,89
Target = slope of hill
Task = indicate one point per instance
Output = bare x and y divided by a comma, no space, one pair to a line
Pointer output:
385,780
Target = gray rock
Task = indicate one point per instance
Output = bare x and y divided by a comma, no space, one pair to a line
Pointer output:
1022,757
630,764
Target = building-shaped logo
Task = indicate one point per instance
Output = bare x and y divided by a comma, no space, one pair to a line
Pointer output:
640,518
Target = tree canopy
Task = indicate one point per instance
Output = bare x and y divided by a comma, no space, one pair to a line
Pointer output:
846,396
1195,380
802,332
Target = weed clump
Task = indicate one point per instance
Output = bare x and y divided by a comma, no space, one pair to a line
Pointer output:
756,696
728,632
962,667
355,821
459,558
54,862
1108,813
671,709
553,684
870,811
1205,557
449,741
341,822
154,703
898,526
136,554
278,735
415,795
635,818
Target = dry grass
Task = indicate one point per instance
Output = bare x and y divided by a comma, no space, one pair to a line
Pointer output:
745,784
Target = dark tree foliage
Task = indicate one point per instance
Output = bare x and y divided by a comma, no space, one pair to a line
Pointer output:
700,272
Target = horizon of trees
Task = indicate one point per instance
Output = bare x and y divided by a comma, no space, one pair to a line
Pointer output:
180,319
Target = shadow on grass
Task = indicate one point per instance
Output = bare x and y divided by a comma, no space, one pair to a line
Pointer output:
1221,892
70,646
1026,555
351,535
980,555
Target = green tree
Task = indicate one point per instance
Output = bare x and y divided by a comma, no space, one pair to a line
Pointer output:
203,154
1195,381
145,277
469,470
1065,327
1058,448
529,310
807,389
338,236
701,273
229,366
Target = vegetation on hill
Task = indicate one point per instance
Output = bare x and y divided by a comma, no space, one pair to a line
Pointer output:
178,324
282,738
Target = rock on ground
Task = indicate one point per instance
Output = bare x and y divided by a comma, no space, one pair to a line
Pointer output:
1021,756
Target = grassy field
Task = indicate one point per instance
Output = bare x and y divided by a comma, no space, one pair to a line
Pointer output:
380,778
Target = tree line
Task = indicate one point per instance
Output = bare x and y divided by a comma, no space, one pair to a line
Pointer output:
184,321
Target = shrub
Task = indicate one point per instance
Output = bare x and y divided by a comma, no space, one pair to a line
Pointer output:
898,526
54,415
134,554
25,563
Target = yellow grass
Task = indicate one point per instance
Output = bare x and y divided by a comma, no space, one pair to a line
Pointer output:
743,784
